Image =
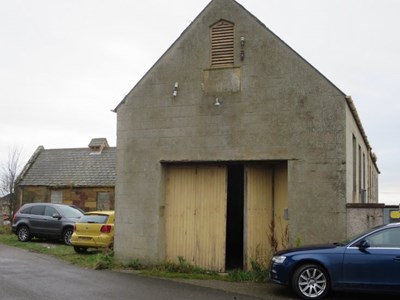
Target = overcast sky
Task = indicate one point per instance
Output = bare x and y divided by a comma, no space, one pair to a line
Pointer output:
64,64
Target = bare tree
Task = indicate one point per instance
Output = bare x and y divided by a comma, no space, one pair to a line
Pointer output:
9,171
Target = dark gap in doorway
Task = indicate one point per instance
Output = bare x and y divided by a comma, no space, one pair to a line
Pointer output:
235,218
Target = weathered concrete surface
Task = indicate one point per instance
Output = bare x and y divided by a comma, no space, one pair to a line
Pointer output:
274,106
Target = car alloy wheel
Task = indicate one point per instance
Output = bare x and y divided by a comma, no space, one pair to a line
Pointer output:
67,236
311,282
24,234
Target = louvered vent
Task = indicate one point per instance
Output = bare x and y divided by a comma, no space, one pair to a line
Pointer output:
222,43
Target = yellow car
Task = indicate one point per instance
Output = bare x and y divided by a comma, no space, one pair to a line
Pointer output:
94,229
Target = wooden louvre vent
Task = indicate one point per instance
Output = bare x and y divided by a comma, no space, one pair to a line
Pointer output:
222,44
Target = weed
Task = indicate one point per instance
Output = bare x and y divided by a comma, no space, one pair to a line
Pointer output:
259,270
183,266
258,273
272,237
298,241
134,265
105,260
5,229
240,275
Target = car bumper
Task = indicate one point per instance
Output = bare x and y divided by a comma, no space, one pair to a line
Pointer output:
279,274
91,242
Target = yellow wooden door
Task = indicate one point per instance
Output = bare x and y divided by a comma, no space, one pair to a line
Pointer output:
258,215
266,212
281,212
195,215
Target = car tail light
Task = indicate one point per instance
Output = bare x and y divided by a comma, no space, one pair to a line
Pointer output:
74,227
15,216
105,229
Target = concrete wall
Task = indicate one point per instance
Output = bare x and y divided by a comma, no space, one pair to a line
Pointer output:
361,217
283,110
366,177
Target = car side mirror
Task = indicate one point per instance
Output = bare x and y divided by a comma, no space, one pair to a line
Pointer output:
364,244
56,216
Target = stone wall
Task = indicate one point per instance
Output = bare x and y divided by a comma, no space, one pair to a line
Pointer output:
85,197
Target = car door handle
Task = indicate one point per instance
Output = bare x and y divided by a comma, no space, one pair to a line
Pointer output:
397,258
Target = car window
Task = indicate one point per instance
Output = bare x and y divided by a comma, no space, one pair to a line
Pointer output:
37,210
385,238
356,237
26,210
98,219
69,212
50,211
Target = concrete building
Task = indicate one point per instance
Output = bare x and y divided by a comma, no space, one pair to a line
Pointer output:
233,146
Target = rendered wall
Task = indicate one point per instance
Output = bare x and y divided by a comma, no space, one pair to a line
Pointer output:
283,110
365,174
361,217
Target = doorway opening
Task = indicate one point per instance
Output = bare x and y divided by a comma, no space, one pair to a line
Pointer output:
235,218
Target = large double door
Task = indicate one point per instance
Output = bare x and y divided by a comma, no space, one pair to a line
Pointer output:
224,216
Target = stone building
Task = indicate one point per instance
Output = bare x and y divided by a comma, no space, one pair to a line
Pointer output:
233,146
84,177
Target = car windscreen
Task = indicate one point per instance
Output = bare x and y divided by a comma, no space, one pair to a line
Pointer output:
98,219
69,212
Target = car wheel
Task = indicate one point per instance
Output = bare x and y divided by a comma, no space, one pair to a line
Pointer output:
67,234
80,249
311,282
24,234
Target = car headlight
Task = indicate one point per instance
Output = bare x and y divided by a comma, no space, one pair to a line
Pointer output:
278,259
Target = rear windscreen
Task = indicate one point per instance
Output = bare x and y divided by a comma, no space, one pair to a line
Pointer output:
98,219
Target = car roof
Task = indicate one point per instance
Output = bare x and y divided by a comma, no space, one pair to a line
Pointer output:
100,212
45,203
396,224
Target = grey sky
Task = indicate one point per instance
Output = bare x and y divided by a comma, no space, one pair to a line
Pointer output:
65,63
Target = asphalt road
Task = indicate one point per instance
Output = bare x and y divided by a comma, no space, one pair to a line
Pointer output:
28,275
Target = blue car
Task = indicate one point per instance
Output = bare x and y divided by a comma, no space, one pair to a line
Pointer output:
369,262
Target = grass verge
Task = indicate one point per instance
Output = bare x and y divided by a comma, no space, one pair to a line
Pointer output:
104,259
95,259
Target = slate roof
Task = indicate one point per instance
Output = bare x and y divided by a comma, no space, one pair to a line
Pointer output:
71,167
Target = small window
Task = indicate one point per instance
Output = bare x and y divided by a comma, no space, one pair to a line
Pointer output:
103,201
222,44
56,197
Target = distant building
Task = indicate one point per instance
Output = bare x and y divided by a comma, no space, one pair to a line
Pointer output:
84,177
5,209
233,146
